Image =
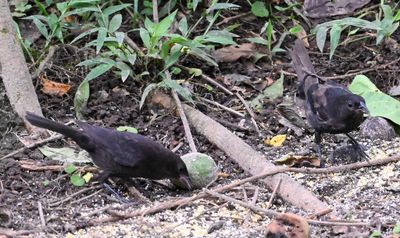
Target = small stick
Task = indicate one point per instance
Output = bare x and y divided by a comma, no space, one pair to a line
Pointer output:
86,197
29,165
210,80
136,194
11,233
270,213
320,213
251,113
50,54
185,122
155,11
41,215
236,113
274,193
73,195
228,19
253,202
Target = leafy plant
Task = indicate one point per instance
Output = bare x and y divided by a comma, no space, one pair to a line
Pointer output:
384,28
378,103
75,177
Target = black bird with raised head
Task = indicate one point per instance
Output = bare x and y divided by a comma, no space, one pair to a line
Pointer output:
330,107
121,154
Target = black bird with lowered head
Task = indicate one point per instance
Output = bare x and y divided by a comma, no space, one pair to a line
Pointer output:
330,107
121,154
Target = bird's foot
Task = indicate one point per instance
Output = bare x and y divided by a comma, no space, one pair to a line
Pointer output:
116,194
360,151
319,155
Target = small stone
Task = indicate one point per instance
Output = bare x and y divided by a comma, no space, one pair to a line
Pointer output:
377,128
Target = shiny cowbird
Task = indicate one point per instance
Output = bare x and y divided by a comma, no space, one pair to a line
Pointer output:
121,154
330,107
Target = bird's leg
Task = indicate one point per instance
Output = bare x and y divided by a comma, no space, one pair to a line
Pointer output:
359,149
317,140
102,179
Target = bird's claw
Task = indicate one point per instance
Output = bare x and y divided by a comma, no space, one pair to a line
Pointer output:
116,194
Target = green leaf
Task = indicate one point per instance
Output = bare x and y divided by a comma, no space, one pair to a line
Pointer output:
132,58
84,34
41,27
144,35
396,229
259,9
183,26
172,84
127,129
295,29
97,71
335,37
113,9
378,103
120,36
375,234
272,92
41,7
203,55
321,38
101,37
65,154
81,98
146,92
162,28
80,11
115,23
77,180
269,32
69,169
397,17
221,6
149,25
173,57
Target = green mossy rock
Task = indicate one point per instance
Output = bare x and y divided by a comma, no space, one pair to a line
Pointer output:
202,169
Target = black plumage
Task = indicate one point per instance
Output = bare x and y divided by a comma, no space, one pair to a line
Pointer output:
121,154
330,107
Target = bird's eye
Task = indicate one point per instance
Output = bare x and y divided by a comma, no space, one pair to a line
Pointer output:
350,104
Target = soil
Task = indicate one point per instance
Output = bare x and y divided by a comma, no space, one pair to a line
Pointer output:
367,195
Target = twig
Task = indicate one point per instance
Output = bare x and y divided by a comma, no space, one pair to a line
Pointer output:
298,12
155,11
73,195
132,44
271,213
41,215
210,80
136,194
320,213
30,165
86,197
11,233
251,113
157,207
236,113
253,202
274,193
228,19
185,123
50,54
36,144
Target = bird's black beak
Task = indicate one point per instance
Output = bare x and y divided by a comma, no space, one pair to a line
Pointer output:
185,180
364,108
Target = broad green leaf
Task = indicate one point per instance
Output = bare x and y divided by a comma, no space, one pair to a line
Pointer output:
77,180
144,35
397,17
101,37
125,70
172,84
120,36
259,9
127,129
162,27
221,6
173,57
132,58
195,71
113,9
65,154
321,37
81,98
146,92
149,25
97,71
378,103
335,37
387,12
69,168
183,26
96,61
272,92
115,23
195,3
295,29
82,10
84,34
41,7
41,27
52,20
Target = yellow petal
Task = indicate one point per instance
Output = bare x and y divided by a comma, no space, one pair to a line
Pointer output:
276,141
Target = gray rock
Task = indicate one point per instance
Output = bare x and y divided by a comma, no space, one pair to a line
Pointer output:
377,128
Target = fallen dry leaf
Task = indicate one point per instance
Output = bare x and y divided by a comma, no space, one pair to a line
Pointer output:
288,225
299,161
302,34
275,141
53,88
233,53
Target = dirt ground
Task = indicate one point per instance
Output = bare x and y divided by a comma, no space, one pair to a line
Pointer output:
367,195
